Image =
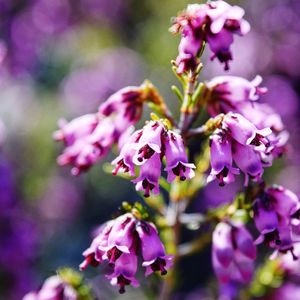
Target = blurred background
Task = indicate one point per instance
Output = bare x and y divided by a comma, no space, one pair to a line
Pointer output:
62,58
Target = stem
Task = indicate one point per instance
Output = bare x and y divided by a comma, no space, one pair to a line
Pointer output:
185,115
196,131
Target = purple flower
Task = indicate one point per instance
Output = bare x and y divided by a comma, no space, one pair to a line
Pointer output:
233,253
153,251
145,149
124,162
274,212
87,139
249,161
149,176
244,132
93,255
228,93
124,271
53,288
221,159
149,142
224,21
176,157
119,242
214,23
126,103
238,140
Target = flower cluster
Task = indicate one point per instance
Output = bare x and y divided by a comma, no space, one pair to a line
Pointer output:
213,23
276,216
240,141
146,149
53,288
119,242
90,137
233,253
225,94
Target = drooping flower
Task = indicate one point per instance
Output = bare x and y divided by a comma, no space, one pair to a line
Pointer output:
221,158
225,94
145,149
124,271
127,104
119,242
149,176
153,251
233,253
238,140
228,93
214,23
53,288
276,210
176,158
87,139
94,255
90,137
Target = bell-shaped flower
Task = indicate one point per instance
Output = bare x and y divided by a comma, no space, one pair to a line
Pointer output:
124,271
229,93
248,161
215,23
145,149
93,255
176,158
149,176
53,288
221,159
153,251
124,161
149,142
233,253
245,132
120,238
126,103
119,242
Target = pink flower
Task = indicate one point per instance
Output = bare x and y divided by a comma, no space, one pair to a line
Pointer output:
53,288
221,159
229,93
233,253
176,157
153,251
214,23
119,242
145,149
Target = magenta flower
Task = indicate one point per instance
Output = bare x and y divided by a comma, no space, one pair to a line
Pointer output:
215,23
176,157
126,103
149,176
275,212
249,161
224,21
244,132
233,253
53,288
93,255
145,149
87,139
119,242
149,142
221,159
229,93
124,162
239,141
153,251
124,271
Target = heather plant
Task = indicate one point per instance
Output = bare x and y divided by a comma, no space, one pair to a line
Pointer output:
240,138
